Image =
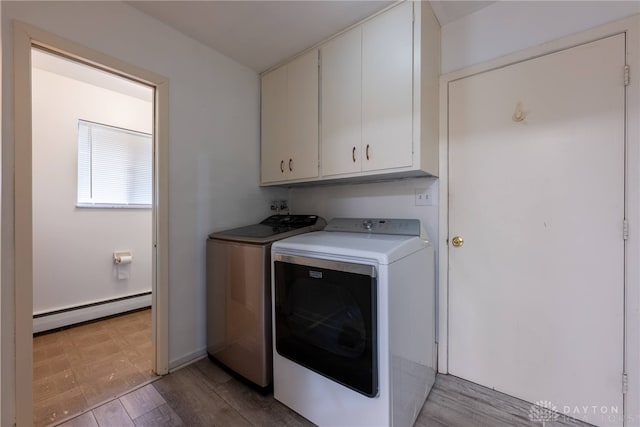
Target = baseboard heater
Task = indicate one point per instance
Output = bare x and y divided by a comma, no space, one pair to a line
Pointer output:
83,313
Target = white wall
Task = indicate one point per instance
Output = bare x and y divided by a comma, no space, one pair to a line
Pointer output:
73,247
213,146
392,199
510,26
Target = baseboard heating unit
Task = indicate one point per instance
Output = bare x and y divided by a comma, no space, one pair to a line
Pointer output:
70,316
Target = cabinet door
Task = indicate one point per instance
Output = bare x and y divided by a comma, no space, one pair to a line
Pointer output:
302,116
274,125
341,110
387,89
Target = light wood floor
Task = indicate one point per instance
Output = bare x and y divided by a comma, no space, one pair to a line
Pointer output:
202,394
80,367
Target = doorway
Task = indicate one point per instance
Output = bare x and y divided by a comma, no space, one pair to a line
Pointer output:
25,38
536,263
92,186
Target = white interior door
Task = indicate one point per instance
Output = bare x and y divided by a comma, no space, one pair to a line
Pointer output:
536,291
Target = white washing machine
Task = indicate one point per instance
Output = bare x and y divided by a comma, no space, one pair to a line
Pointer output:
354,322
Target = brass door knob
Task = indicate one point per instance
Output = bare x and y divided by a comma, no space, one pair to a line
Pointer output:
457,241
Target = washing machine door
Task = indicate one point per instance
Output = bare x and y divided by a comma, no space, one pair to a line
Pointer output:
326,319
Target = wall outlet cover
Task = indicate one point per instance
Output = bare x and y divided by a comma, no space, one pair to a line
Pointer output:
424,196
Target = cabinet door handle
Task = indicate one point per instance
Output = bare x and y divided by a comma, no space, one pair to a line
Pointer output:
282,166
353,154
290,165
367,152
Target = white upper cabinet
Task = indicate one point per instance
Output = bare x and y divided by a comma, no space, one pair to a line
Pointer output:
341,117
378,103
302,114
274,125
387,89
289,148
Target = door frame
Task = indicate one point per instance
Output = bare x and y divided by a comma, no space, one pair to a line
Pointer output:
631,351
24,38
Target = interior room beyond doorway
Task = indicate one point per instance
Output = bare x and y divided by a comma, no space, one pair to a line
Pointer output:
92,163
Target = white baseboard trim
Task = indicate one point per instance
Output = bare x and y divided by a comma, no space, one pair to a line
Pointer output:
187,359
83,314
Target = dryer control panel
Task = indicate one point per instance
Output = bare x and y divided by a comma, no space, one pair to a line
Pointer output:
402,227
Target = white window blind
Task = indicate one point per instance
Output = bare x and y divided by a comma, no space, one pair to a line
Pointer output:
114,166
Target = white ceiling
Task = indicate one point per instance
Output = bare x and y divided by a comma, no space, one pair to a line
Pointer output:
450,10
88,74
261,34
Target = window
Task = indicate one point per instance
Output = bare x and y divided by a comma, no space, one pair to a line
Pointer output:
114,166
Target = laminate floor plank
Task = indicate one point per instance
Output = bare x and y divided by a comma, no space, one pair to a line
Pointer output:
112,414
260,410
85,420
162,416
214,373
192,396
456,402
202,394
141,401
428,421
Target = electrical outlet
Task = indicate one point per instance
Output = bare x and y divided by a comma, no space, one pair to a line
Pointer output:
425,196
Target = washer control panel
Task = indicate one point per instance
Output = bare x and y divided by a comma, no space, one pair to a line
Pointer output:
403,227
